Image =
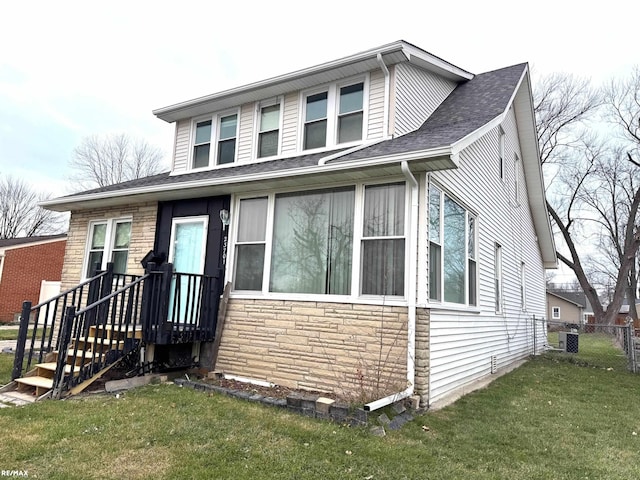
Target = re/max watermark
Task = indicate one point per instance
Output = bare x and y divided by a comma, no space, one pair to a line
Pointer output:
14,473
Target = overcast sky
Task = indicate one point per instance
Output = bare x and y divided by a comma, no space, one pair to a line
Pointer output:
72,69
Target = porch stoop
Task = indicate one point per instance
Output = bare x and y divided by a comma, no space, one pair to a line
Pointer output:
103,343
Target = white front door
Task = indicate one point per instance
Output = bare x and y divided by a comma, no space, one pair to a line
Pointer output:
187,254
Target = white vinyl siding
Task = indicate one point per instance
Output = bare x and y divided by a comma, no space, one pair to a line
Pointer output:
245,133
417,94
462,342
182,145
376,105
290,123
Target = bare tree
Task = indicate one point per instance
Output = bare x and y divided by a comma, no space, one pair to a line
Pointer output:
20,215
105,160
594,195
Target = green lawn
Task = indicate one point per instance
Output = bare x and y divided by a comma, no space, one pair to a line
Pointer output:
594,350
12,333
6,366
545,420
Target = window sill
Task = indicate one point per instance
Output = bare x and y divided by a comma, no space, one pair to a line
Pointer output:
306,297
451,307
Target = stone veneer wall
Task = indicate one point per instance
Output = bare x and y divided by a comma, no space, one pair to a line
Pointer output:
422,356
353,350
143,230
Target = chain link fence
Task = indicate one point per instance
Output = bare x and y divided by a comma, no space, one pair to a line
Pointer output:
591,345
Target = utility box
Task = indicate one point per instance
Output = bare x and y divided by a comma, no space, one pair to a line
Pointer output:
568,342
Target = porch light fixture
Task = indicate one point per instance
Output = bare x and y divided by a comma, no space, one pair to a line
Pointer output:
224,218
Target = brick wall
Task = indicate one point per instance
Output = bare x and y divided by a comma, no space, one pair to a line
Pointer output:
22,274
143,230
357,351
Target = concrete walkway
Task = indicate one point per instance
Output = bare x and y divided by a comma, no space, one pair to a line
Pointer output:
8,346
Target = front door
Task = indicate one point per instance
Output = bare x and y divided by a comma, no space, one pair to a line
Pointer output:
191,236
187,253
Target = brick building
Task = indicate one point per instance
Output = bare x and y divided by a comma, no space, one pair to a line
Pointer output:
25,263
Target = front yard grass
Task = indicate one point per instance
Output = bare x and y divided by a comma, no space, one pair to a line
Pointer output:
12,333
6,366
545,420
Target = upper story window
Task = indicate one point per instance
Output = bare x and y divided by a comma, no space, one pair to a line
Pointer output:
108,242
350,114
269,131
227,139
334,116
315,121
223,131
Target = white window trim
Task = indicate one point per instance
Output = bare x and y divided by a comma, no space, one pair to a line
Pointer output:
179,220
109,239
215,137
256,127
468,212
333,108
555,313
356,263
523,286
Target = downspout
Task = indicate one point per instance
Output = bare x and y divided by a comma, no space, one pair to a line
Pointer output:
411,301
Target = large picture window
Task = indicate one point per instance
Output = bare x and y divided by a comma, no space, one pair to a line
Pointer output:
452,250
304,242
312,242
108,242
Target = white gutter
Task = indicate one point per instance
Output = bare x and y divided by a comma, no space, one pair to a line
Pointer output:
387,93
411,314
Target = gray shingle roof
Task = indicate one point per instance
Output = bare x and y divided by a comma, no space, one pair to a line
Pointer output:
470,106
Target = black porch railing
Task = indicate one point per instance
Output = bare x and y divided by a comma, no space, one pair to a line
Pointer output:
96,336
44,319
180,307
107,316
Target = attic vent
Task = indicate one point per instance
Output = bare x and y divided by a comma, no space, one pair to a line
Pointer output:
494,364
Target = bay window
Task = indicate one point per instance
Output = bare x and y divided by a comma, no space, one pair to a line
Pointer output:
452,250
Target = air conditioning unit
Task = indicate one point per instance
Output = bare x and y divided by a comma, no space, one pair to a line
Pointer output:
568,342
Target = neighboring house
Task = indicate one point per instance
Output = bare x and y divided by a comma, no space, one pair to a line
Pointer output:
30,268
566,307
380,217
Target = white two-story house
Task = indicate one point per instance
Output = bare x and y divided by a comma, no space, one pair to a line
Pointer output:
380,220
